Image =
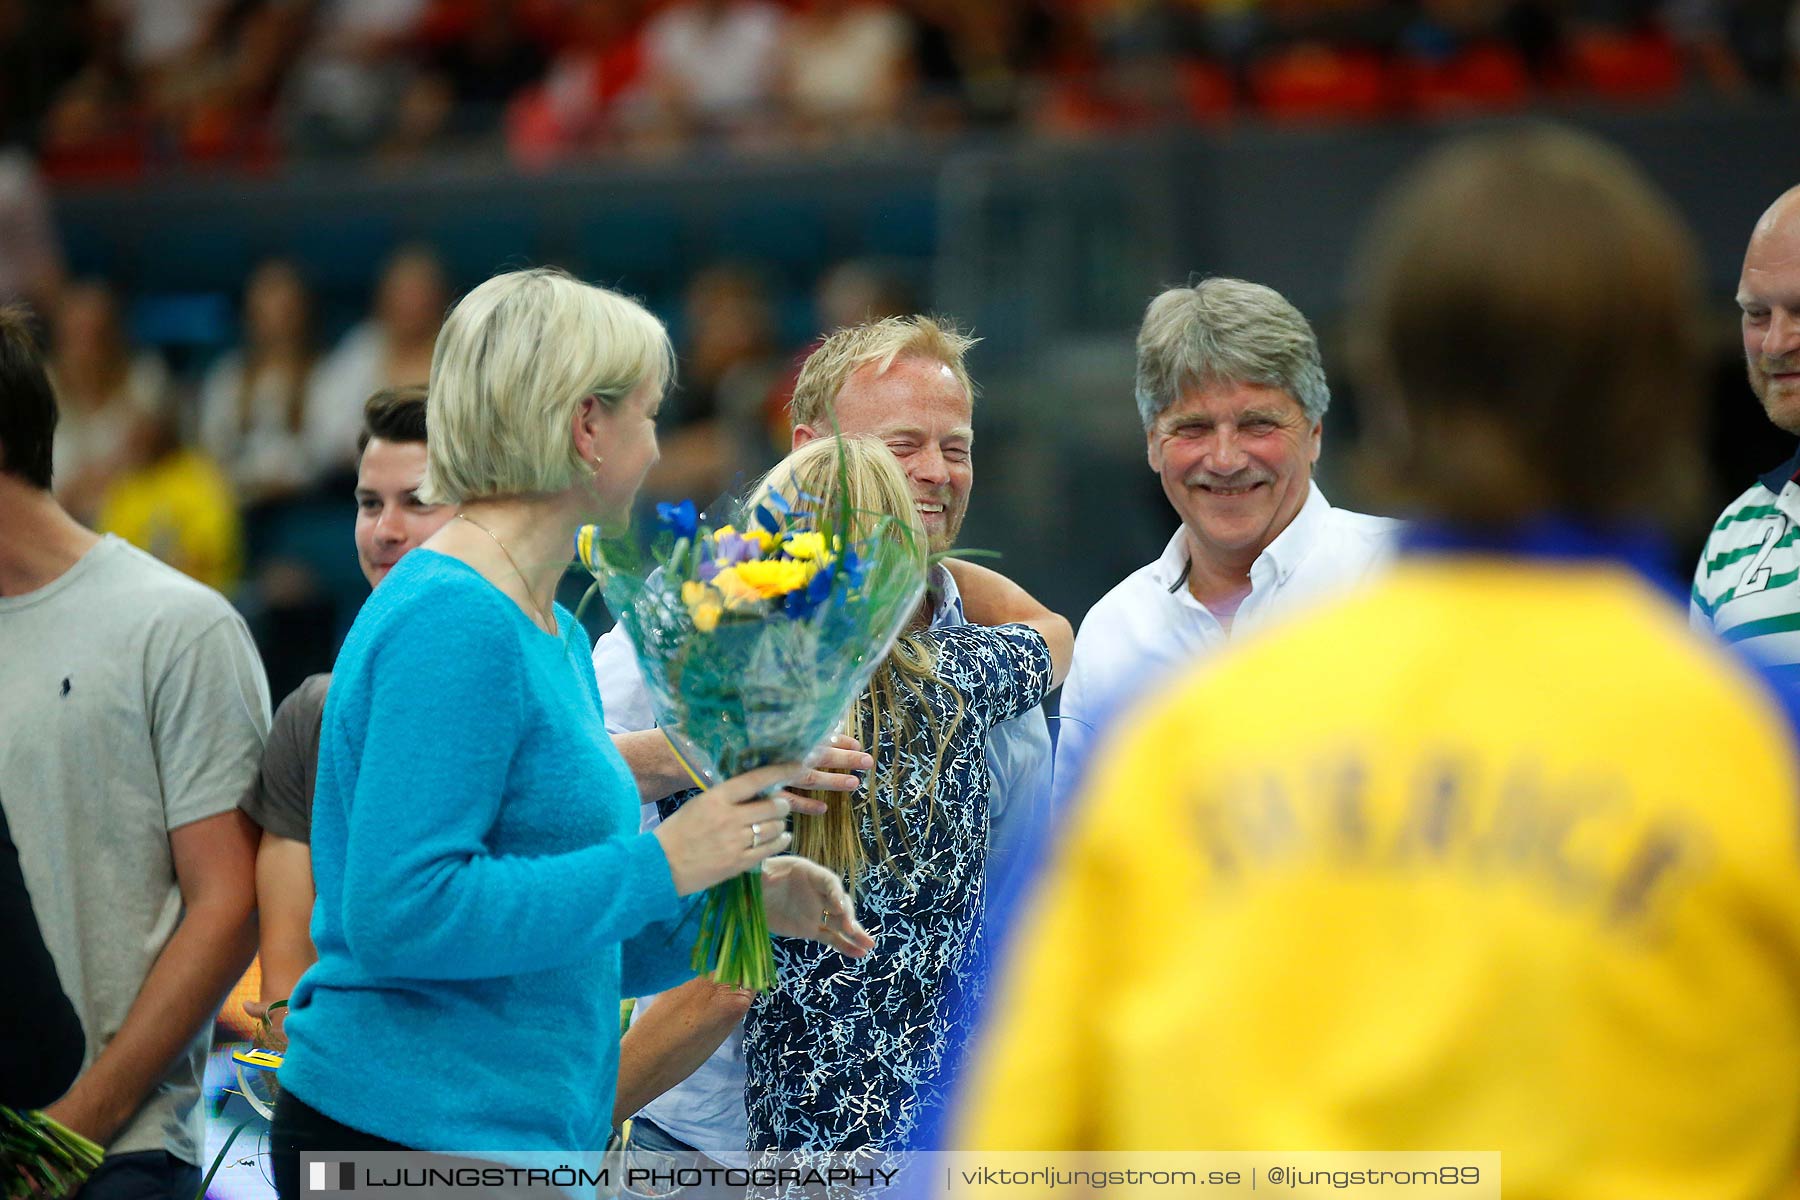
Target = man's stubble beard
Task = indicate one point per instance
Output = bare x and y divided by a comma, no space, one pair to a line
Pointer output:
1780,401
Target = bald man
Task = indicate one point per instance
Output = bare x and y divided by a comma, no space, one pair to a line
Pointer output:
1747,586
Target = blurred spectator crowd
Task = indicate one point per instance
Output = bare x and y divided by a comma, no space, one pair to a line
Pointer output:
239,467
230,453
114,88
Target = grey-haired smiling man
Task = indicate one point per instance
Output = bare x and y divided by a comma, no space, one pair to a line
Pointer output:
1233,399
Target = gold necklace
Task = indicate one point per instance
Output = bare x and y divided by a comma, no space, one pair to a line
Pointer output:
543,618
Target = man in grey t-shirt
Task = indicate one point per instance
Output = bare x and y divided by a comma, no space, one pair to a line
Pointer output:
134,708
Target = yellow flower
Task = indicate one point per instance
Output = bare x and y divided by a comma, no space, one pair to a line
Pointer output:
704,604
584,545
776,577
736,592
805,545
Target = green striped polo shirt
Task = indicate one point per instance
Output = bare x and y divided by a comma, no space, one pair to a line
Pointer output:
1747,584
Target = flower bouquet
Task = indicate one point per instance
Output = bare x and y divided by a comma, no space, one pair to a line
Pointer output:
40,1157
754,635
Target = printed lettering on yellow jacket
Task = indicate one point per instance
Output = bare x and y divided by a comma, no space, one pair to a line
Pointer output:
1493,855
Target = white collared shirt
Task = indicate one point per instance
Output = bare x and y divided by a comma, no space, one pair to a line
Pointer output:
1151,623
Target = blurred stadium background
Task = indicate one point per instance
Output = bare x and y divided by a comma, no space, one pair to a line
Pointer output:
759,172
212,202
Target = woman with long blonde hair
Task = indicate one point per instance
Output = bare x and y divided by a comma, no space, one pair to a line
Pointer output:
841,1054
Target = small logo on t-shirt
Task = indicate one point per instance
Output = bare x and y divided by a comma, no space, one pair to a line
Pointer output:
65,686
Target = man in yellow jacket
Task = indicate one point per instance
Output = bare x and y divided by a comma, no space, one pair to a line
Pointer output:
1492,855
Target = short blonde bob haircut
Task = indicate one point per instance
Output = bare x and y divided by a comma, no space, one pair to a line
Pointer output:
514,361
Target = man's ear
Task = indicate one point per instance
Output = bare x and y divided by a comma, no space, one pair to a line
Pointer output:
802,435
1318,432
1153,450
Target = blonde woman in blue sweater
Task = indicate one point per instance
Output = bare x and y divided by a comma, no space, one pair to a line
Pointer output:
483,889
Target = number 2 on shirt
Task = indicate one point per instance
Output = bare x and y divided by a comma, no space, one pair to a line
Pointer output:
1756,576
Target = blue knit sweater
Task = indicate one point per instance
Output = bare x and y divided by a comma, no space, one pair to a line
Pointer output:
484,895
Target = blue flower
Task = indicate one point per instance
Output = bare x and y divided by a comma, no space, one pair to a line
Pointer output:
770,512
801,602
853,566
680,519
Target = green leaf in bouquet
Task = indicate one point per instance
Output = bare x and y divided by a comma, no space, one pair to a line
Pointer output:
34,1146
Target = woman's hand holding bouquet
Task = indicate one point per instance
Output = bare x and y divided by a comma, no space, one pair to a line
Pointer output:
728,829
754,636
732,828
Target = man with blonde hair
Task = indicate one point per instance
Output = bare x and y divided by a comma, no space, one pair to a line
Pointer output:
1233,397
903,380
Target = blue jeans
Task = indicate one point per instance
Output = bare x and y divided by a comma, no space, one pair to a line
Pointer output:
648,1135
145,1175
651,1140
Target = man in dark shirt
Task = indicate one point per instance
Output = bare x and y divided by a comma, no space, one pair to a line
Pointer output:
40,1035
390,520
